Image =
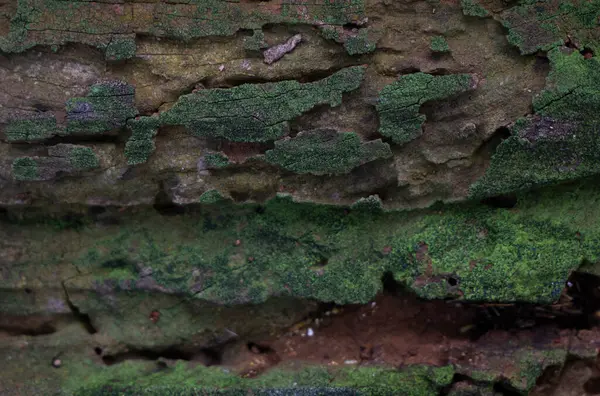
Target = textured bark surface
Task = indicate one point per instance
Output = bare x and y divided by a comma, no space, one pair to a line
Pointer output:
204,180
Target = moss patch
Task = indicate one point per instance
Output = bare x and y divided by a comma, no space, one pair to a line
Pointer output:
562,142
473,8
325,152
120,49
257,112
439,44
83,158
315,380
140,145
537,26
25,169
216,160
492,254
31,130
108,106
400,101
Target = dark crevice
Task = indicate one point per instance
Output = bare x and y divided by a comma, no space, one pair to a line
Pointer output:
165,207
577,310
488,148
455,380
390,285
592,386
207,356
82,318
20,330
508,201
506,389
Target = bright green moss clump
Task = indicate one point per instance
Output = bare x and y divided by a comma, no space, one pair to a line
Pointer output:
400,101
439,44
108,106
257,112
140,145
25,169
31,130
325,152
494,255
83,158
131,377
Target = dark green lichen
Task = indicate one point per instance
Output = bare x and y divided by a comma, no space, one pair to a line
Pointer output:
256,42
325,151
110,26
400,101
31,130
473,8
120,49
360,43
257,112
561,143
108,106
533,27
140,145
439,44
355,42
216,160
83,158
25,169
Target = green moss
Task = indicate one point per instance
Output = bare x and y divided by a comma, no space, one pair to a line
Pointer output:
561,143
25,169
256,42
130,377
108,106
140,145
211,197
473,8
257,112
371,203
360,43
31,130
533,27
55,22
494,254
120,49
83,158
216,160
325,152
400,101
439,44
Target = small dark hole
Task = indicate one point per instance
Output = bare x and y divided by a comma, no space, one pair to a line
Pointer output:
390,285
28,290
587,53
98,351
323,262
592,386
96,210
162,365
259,349
260,209
501,201
452,281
